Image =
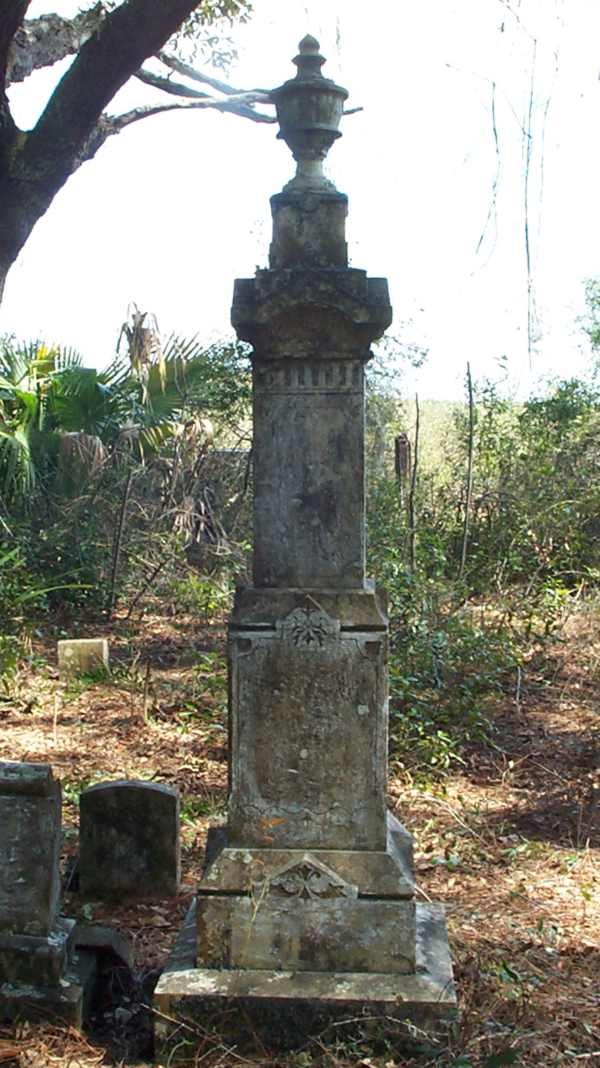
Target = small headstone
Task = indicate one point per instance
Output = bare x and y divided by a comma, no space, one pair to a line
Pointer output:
129,841
82,656
40,972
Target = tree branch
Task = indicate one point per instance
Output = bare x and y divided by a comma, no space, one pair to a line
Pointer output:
108,125
44,41
36,164
241,97
125,38
10,20
180,67
167,85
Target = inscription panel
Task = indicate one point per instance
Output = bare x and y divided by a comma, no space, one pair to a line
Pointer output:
29,878
309,741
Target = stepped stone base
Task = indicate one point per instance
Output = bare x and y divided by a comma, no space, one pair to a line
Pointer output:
67,1000
285,1009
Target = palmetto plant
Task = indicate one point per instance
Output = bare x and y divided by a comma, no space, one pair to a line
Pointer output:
57,416
48,400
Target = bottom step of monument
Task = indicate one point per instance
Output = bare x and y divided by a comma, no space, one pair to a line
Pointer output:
69,1000
197,1007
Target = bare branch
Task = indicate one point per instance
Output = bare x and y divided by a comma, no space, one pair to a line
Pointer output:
241,99
44,41
108,125
129,34
532,323
35,166
516,16
198,76
167,85
492,215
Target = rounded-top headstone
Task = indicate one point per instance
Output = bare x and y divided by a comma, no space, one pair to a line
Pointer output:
129,841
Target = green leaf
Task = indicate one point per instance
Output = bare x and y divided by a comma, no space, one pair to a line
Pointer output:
498,1060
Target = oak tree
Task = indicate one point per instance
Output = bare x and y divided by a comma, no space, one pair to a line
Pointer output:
110,42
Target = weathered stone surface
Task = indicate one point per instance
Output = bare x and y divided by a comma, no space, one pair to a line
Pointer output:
82,656
308,492
40,971
311,331
286,1006
33,780
384,875
298,692
30,820
309,229
25,959
355,609
40,961
291,933
68,1000
129,840
105,942
316,313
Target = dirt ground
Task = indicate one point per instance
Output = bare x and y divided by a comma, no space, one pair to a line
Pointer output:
510,844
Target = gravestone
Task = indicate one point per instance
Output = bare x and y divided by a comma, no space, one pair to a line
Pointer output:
82,656
306,913
129,841
40,970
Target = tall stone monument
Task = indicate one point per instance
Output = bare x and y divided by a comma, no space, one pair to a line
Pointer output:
306,911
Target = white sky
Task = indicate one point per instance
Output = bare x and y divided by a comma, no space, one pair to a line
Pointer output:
172,210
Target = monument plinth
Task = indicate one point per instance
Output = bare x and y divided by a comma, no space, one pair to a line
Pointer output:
306,909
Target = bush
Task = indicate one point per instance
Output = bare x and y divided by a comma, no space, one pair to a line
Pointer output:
19,597
447,657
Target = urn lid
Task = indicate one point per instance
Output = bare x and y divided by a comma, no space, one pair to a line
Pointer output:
309,106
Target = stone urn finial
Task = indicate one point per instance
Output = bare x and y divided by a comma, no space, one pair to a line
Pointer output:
309,109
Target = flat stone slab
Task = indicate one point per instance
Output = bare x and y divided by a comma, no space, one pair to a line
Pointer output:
82,656
129,841
286,1008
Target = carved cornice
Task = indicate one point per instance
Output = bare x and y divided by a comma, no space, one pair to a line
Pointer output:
313,311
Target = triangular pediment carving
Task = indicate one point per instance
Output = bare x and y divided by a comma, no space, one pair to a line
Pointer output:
309,627
307,878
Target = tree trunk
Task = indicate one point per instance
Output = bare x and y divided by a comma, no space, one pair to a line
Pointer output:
22,203
34,165
469,487
412,517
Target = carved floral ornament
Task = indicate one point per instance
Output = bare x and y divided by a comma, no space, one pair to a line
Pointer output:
309,627
309,880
